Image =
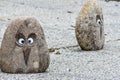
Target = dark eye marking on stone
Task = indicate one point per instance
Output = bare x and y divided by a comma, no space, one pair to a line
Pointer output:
98,20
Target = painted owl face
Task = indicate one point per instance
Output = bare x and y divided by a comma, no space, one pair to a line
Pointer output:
26,43
24,48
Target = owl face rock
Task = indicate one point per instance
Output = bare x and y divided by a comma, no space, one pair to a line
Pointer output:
24,48
89,26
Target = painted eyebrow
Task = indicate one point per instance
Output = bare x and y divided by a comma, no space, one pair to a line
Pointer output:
33,35
19,35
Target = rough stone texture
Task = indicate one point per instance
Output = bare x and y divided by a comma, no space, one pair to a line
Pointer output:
90,26
24,48
57,17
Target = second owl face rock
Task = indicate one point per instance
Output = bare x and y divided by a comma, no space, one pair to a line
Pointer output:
24,48
89,26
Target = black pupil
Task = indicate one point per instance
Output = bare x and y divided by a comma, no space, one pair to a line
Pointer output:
22,41
99,22
29,41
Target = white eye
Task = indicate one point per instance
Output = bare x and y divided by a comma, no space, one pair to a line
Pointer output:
30,40
99,22
21,41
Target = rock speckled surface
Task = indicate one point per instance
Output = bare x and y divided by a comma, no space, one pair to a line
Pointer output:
57,18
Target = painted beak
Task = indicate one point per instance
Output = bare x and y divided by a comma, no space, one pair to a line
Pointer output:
26,53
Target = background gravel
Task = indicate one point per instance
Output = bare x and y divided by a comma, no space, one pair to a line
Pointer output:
57,18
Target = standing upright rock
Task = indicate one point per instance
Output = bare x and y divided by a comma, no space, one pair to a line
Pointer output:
90,26
24,48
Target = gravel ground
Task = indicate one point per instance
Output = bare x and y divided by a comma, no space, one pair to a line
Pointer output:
57,18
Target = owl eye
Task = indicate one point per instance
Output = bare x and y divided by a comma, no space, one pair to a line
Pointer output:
21,41
99,22
30,40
